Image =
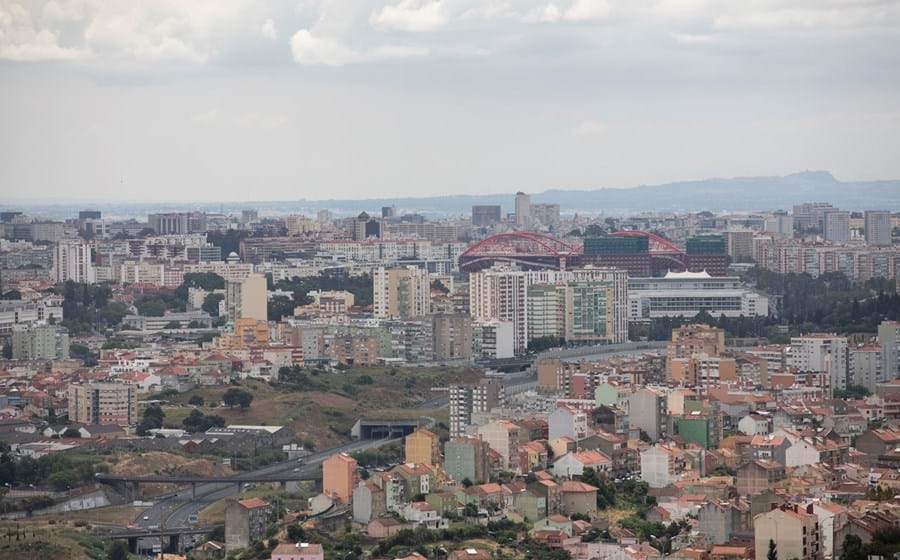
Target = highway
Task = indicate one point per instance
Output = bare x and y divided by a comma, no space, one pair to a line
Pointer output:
175,509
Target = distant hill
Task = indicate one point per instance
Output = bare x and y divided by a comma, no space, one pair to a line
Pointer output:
742,193
736,194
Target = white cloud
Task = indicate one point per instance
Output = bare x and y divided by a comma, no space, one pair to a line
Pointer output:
310,49
589,129
577,11
23,40
268,30
412,15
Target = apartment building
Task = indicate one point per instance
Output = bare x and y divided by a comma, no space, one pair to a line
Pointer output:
422,446
340,475
794,530
72,260
466,400
102,403
401,293
39,342
823,353
500,294
246,298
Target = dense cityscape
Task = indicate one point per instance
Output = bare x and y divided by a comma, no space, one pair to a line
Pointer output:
449,280
521,382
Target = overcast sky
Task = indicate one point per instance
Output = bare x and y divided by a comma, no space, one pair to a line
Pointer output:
266,100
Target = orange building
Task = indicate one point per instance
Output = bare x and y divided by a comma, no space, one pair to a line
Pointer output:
423,446
340,475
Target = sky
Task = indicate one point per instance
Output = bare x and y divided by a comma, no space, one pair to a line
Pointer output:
239,100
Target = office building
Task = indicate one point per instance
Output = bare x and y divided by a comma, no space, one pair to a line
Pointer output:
466,400
365,227
878,227
836,226
739,244
821,353
246,298
340,475
809,215
72,260
685,294
388,212
169,223
780,224
523,210
40,342
90,215
102,403
485,215
401,293
501,294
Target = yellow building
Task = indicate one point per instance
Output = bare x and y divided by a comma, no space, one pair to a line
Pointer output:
247,333
423,446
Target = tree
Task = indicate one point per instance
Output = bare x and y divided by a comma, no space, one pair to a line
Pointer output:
172,325
236,396
773,551
853,548
151,307
118,550
196,421
211,304
196,400
153,420
62,480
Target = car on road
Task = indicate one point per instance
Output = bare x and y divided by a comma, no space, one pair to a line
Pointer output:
297,470
146,518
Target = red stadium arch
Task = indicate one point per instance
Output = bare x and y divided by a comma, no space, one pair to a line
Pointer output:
523,243
529,250
658,244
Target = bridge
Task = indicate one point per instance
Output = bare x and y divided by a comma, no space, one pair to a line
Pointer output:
128,485
173,534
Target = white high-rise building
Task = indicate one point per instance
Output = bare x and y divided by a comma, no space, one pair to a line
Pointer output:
501,293
523,209
72,261
836,226
825,353
878,227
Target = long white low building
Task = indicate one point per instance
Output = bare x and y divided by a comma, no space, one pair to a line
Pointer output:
685,294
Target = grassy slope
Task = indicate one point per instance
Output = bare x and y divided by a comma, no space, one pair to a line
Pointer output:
326,414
